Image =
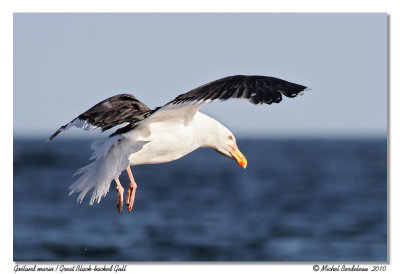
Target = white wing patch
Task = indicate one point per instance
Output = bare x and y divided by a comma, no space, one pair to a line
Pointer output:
302,92
80,124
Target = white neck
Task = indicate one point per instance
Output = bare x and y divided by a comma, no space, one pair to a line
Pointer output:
206,130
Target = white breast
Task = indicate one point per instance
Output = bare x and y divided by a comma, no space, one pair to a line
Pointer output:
169,140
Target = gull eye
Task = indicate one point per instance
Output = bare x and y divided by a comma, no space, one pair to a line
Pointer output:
230,137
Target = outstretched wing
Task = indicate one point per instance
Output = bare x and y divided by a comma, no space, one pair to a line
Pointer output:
256,89
113,111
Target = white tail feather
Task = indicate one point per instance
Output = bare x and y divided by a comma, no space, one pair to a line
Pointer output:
112,157
101,148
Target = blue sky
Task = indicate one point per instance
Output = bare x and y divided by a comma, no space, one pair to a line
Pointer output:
66,63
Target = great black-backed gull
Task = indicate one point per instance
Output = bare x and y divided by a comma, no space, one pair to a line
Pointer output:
166,133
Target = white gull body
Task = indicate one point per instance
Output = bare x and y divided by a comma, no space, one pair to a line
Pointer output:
162,138
169,140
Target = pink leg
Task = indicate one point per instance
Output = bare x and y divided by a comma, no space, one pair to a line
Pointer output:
130,196
120,195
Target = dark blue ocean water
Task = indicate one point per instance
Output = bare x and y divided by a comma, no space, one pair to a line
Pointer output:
298,200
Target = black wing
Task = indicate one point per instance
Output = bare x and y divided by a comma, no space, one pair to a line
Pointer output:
257,89
113,111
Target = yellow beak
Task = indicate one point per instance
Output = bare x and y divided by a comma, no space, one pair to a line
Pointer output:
239,157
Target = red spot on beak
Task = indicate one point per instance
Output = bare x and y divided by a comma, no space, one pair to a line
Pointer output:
238,156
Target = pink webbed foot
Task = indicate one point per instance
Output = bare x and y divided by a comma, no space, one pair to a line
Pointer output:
130,195
120,196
